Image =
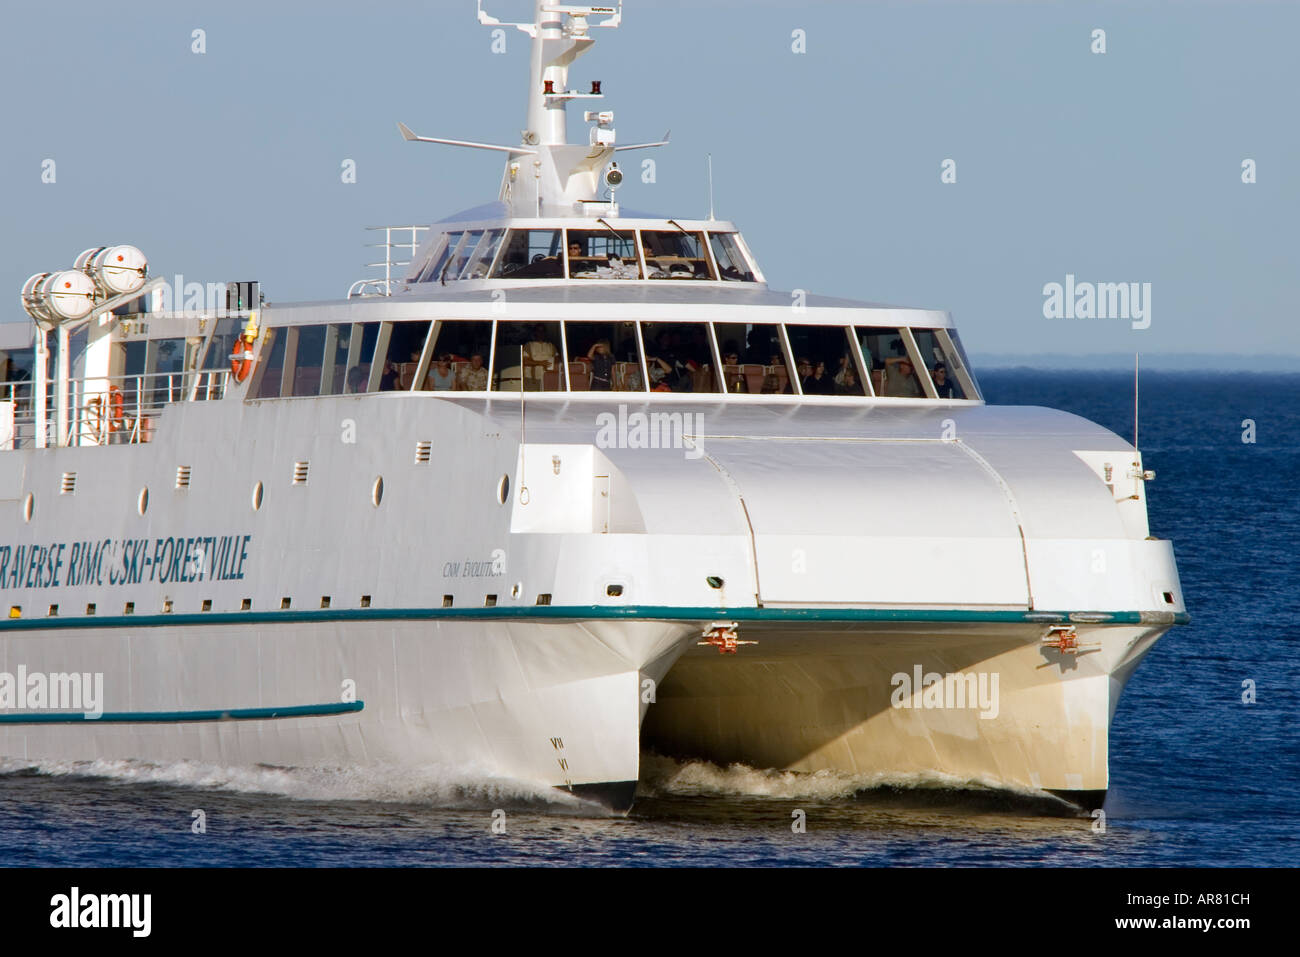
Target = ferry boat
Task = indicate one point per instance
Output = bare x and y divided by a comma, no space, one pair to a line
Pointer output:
568,485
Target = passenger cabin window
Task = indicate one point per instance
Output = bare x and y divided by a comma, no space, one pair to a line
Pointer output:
676,254
402,358
272,365
732,263
942,364
602,254
893,368
528,358
459,357
309,358
679,357
531,254
479,356
753,358
604,357
824,360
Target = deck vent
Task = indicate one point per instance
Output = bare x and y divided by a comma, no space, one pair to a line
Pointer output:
68,484
365,601
490,601
207,605
285,603
128,608
544,599
423,452
448,601
90,608
182,476
245,604
300,473
324,601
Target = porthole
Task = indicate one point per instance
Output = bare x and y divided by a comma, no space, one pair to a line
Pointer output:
377,492
517,589
29,505
142,503
503,490
257,496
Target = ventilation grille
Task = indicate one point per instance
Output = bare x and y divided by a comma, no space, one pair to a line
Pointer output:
68,484
299,473
423,452
182,476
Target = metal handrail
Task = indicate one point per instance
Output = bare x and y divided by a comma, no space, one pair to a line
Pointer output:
91,419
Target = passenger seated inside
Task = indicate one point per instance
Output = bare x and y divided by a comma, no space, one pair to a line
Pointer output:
818,383
848,384
946,388
440,377
474,377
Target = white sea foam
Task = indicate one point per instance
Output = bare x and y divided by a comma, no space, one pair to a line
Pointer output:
661,776
427,785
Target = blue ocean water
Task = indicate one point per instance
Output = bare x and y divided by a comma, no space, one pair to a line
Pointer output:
1198,777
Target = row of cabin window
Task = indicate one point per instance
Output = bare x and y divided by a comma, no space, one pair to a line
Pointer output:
582,356
587,254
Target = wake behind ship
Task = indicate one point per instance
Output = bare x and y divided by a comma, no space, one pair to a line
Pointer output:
571,484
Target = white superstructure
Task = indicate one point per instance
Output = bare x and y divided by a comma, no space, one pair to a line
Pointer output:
569,483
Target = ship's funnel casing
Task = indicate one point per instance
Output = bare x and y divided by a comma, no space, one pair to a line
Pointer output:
54,298
116,270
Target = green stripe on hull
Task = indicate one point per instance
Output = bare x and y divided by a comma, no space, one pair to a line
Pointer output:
174,717
601,612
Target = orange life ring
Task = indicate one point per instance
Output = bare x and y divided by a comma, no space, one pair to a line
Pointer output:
241,359
116,408
95,406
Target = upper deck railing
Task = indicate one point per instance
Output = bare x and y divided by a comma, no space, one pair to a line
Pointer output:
108,410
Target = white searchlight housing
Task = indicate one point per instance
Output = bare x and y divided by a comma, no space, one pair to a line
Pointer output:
55,298
115,270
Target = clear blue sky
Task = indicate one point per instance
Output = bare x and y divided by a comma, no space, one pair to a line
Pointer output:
1117,167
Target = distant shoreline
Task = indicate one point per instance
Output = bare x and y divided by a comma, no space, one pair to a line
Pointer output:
1118,362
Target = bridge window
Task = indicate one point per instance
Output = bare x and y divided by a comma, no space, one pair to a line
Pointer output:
824,360
478,261
753,358
733,265
602,254
679,357
531,254
603,357
434,269
675,255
